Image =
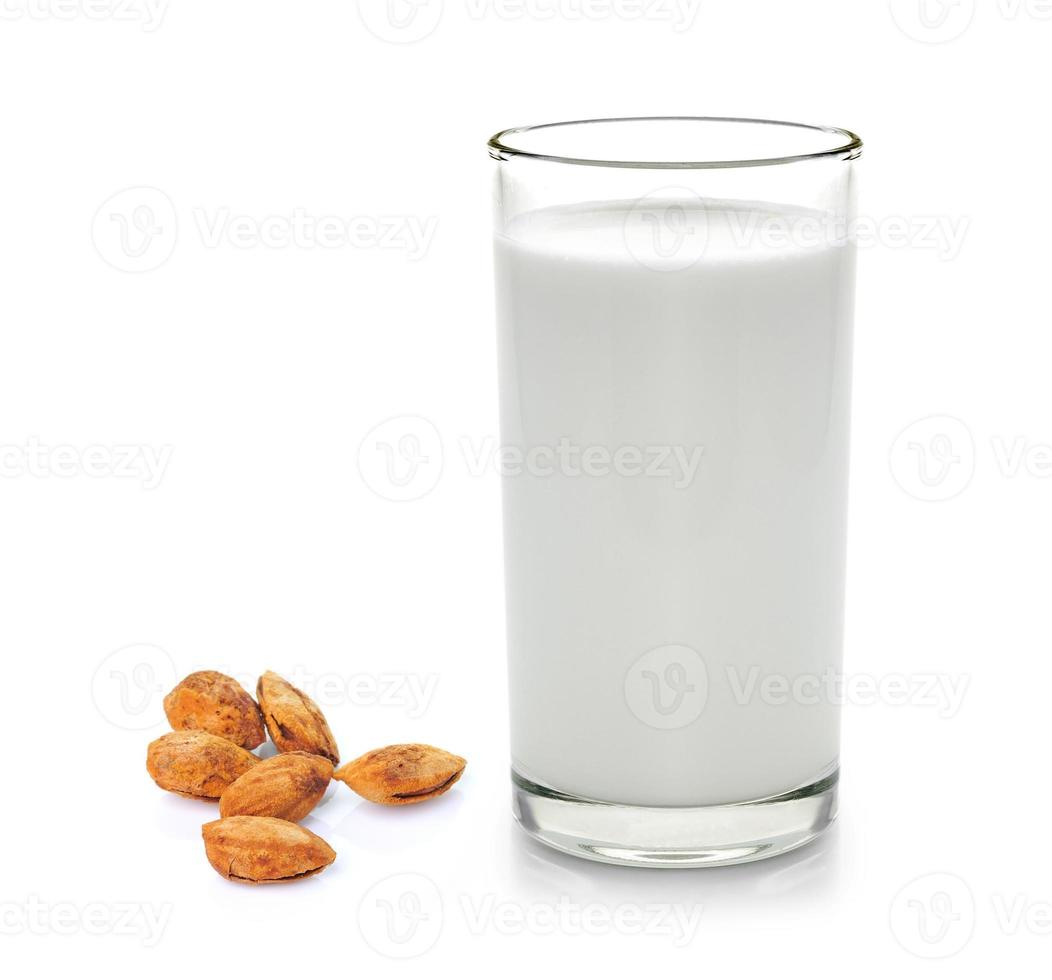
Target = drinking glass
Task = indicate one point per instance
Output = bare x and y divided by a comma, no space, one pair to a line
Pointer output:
674,316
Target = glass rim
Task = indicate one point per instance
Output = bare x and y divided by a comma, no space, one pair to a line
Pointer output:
849,149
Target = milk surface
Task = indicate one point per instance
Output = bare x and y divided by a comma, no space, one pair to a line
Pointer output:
647,613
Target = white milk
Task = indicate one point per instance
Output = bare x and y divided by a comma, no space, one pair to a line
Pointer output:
647,613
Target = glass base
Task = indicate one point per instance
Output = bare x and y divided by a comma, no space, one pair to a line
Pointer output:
675,837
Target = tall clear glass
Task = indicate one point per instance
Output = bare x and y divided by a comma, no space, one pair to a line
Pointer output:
674,310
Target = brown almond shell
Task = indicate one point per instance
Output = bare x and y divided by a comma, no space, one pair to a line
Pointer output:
399,775
286,786
196,764
209,701
294,721
264,850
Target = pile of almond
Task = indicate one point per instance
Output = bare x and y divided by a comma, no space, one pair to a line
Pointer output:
208,756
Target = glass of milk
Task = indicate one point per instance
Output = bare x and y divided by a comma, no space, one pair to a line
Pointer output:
674,315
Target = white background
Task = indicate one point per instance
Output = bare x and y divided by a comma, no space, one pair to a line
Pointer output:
250,372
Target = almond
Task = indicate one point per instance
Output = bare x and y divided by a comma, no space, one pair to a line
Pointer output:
401,774
288,786
294,721
209,701
196,764
260,850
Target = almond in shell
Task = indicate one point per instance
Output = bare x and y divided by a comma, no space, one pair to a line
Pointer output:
401,774
264,850
294,721
209,701
196,764
287,786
